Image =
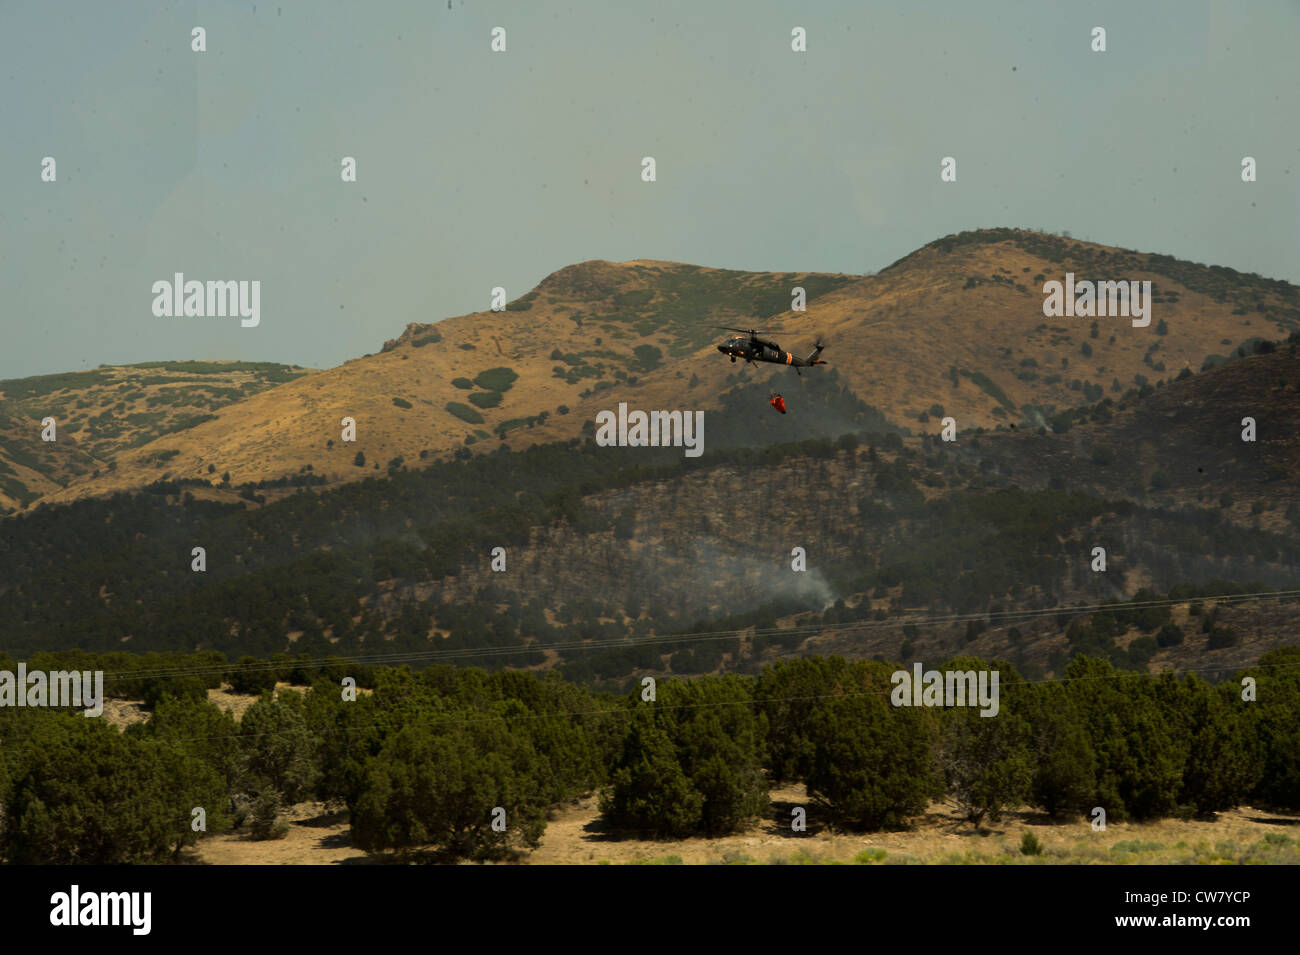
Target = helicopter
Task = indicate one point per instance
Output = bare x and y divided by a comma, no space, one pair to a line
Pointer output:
754,349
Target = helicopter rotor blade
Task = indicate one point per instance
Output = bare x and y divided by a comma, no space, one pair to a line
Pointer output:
751,331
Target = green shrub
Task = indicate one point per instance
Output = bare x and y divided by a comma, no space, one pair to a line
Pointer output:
496,379
1222,637
1136,845
252,675
1030,846
1103,455
736,857
633,299
648,357
464,412
1170,635
267,823
868,856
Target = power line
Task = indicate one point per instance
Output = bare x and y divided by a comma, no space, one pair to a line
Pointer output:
918,618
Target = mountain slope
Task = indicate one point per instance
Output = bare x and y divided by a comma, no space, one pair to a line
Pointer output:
616,544
956,328
102,414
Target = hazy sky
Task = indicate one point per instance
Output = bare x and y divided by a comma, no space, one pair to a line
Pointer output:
478,169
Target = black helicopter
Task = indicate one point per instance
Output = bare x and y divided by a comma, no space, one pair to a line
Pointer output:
754,349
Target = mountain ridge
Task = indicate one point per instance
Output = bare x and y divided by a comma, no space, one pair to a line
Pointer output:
954,328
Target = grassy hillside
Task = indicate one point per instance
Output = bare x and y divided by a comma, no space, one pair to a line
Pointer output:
103,415
954,329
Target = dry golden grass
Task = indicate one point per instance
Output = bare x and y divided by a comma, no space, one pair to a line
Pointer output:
892,338
316,837
940,836
576,836
105,413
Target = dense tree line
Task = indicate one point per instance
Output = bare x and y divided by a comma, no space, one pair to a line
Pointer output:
455,763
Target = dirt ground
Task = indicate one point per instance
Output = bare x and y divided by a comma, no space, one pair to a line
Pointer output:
576,836
316,837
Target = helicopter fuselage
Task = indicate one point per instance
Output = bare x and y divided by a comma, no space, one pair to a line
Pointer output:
755,349
752,348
